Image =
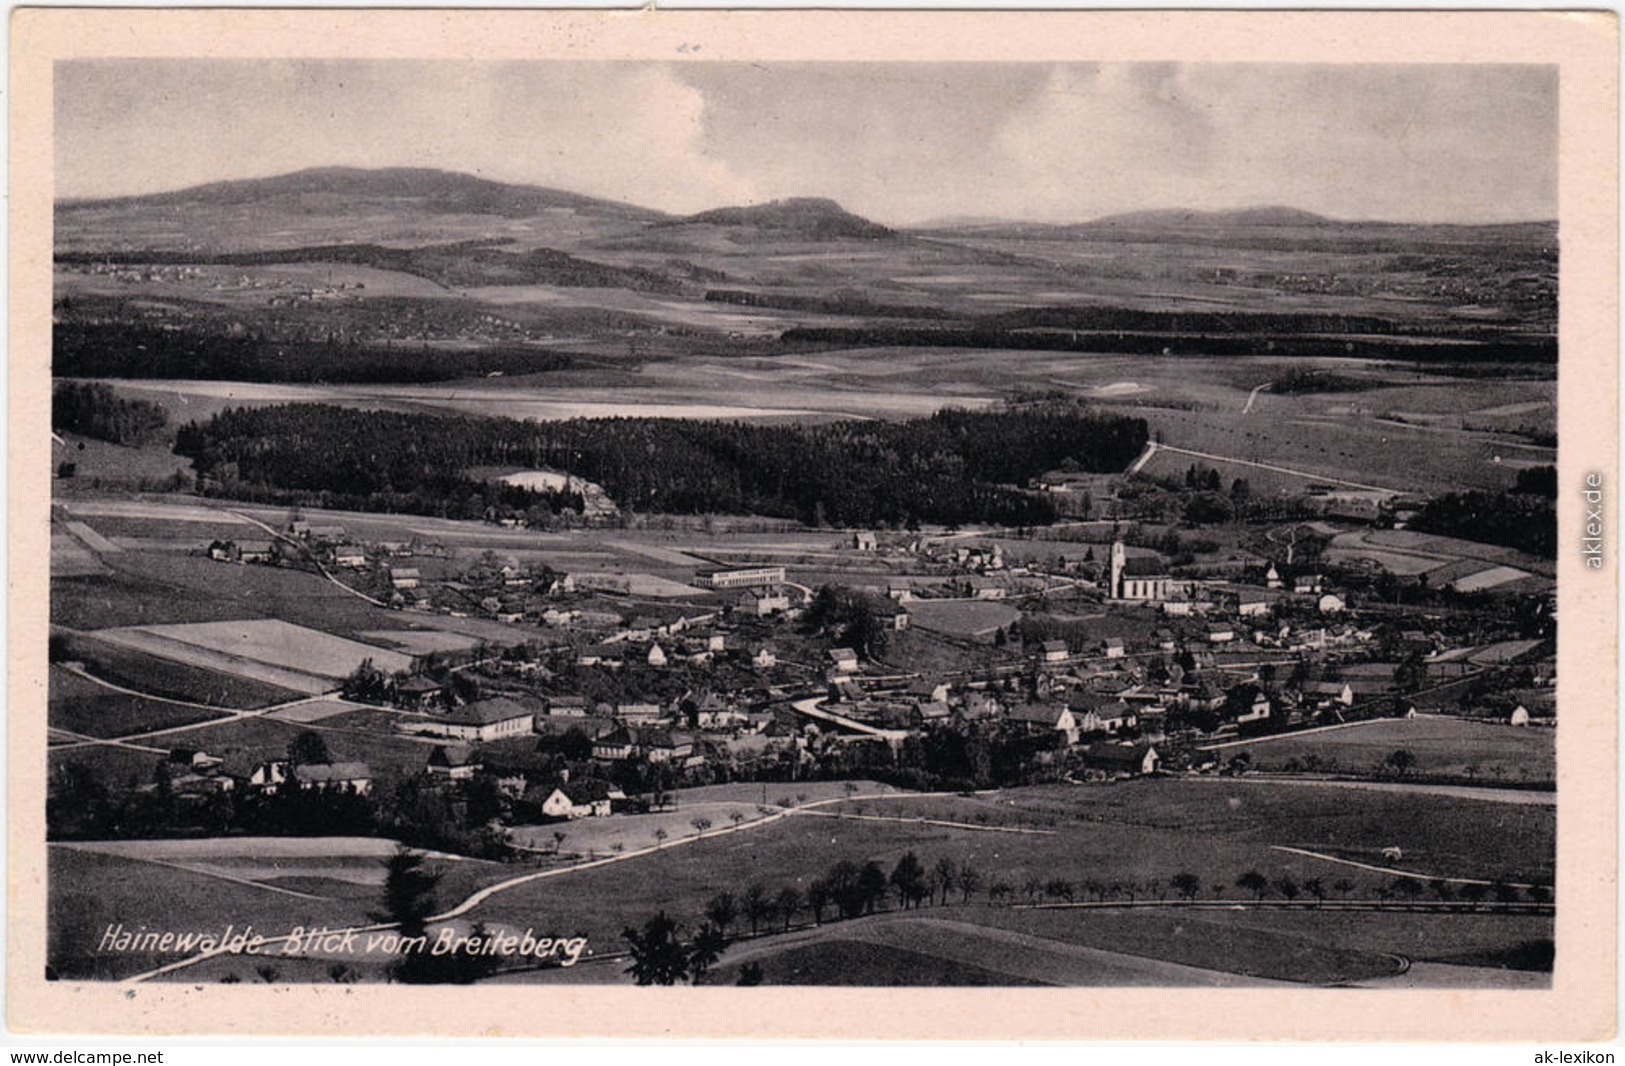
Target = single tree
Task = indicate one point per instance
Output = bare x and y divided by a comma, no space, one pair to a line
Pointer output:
818,899
1406,887
704,951
908,880
757,905
1316,888
700,825
1287,887
1254,882
307,748
660,837
969,879
788,903
722,911
943,875
1186,884
659,957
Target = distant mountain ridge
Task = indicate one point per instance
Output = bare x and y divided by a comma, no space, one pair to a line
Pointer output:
439,191
806,216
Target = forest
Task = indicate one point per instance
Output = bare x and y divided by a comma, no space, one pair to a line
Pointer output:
130,350
952,468
95,410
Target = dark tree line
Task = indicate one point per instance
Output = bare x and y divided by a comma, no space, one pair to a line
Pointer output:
1526,521
954,467
133,350
95,410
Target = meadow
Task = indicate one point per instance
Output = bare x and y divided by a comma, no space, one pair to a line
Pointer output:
1442,747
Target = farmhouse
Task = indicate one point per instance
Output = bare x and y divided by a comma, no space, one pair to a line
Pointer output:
354,776
419,693
406,577
1220,633
1102,716
845,660
255,551
351,555
761,603
1113,647
486,720
1252,605
614,746
454,761
578,799
1125,759
567,706
1054,651
1042,717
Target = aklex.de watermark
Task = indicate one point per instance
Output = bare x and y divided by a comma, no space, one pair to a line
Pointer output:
1592,529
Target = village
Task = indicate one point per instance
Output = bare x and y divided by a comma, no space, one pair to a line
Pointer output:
946,661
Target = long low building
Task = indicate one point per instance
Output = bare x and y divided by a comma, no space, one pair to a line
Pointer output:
741,578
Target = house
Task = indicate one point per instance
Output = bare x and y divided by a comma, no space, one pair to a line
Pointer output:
1329,692
578,799
1248,703
1040,717
1103,716
661,746
762,603
1114,648
352,555
256,551
567,706
599,655
263,775
1272,577
926,690
845,660
454,761
986,588
657,657
614,746
339,776
1519,715
1165,640
223,551
639,713
1054,651
1122,759
1252,605
864,541
326,534
1220,633
932,713
1307,584
485,720
419,693
406,577
892,614
764,659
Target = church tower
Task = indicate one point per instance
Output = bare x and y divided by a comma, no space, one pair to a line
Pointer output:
1115,590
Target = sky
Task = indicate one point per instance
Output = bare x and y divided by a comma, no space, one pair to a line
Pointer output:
901,143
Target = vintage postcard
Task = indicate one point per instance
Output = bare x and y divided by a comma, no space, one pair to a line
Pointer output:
1052,525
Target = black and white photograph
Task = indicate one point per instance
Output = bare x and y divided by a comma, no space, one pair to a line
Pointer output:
1081,523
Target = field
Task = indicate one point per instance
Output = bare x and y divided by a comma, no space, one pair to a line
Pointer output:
1123,835
262,650
165,677
81,706
1446,747
273,885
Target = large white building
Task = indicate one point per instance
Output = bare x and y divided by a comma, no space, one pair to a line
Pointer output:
740,579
